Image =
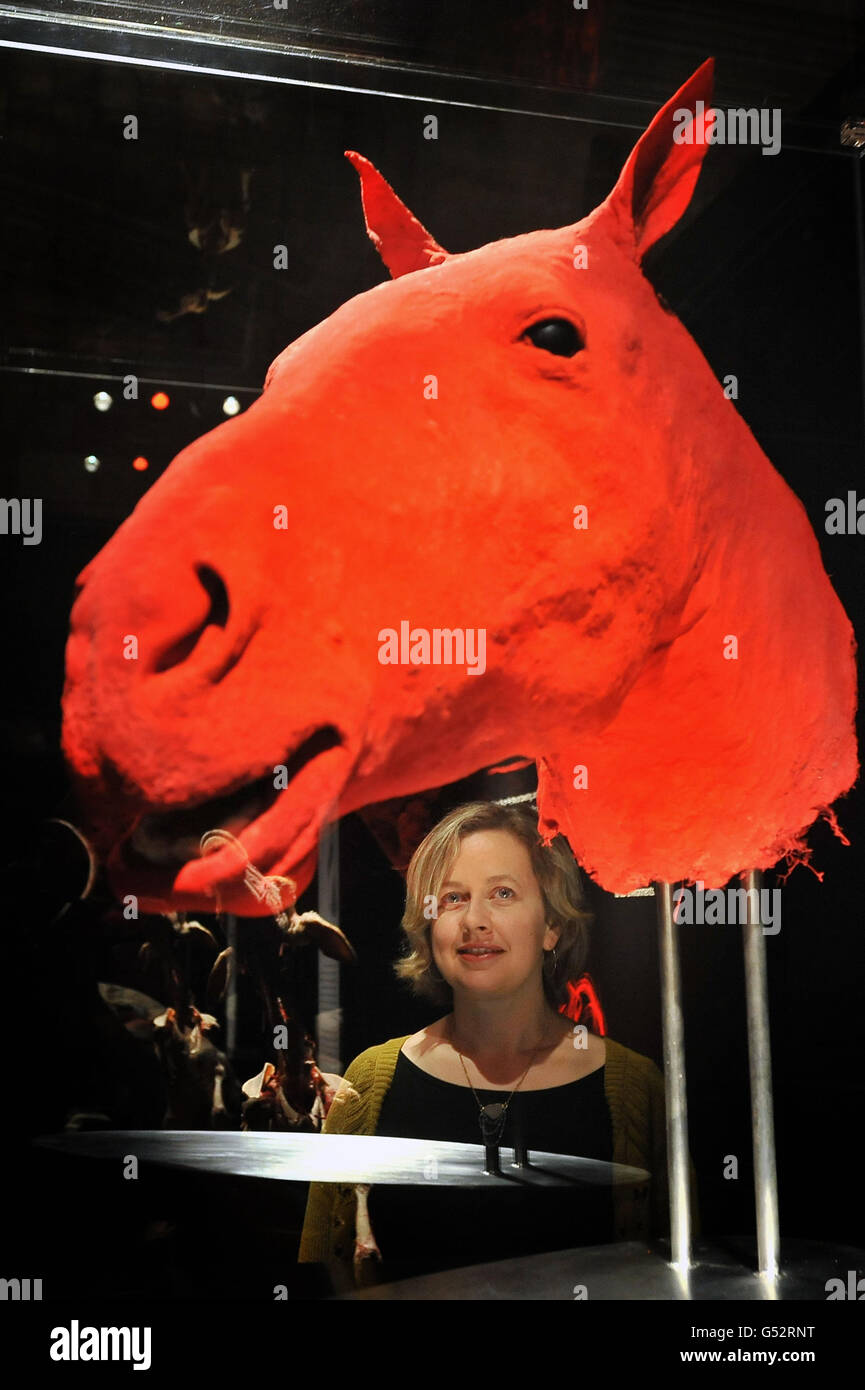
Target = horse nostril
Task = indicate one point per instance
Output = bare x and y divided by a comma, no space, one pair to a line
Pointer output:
217,616
214,587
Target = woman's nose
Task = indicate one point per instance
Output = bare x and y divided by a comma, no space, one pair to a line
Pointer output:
475,916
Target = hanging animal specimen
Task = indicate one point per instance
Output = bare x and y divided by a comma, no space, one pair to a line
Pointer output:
498,507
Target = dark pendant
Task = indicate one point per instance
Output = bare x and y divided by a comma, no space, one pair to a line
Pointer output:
492,1122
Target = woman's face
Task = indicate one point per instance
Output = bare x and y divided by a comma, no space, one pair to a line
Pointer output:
490,935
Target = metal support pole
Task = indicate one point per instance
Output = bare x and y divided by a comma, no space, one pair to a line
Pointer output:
674,1081
521,1152
329,1016
760,1068
231,992
491,1159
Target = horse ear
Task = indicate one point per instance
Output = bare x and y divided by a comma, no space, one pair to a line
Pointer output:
661,172
403,244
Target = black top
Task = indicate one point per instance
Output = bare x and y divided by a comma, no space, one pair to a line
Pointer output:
421,1229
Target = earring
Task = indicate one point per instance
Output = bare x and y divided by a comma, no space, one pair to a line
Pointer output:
555,955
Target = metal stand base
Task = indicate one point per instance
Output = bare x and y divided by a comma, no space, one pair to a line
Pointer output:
631,1271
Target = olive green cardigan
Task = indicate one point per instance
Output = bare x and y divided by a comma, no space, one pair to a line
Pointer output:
634,1089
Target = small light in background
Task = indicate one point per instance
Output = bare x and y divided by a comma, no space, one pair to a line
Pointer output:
140,463
160,401
91,463
103,401
230,406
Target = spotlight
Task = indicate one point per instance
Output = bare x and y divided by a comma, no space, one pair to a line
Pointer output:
160,401
103,401
91,463
230,406
140,463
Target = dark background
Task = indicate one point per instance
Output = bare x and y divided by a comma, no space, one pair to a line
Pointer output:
537,108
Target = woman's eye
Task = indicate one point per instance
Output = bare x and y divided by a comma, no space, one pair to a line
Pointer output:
449,899
558,336
510,891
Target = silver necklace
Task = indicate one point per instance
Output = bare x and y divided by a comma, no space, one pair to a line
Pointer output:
491,1117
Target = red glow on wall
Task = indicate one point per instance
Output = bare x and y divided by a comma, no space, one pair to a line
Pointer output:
584,1006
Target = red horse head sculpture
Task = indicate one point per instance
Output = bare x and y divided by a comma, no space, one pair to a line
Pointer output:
521,446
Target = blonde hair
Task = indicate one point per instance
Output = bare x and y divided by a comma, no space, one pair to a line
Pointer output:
554,868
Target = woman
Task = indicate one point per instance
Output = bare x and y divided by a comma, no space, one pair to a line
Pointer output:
496,927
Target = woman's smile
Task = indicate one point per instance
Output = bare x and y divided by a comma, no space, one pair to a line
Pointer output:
479,955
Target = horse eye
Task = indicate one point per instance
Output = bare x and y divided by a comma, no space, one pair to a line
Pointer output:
558,336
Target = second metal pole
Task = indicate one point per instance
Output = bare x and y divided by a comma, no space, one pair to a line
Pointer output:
760,1068
674,1081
